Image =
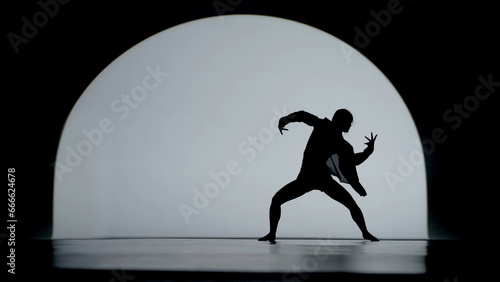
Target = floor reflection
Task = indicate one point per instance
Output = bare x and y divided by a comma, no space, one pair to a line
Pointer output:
290,257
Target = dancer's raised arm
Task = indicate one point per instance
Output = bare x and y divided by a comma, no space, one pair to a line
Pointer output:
300,116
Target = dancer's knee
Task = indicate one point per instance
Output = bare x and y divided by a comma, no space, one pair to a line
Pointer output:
276,201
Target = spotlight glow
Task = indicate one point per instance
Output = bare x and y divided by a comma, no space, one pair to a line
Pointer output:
178,138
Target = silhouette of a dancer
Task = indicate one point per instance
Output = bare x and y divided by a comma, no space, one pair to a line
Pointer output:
325,143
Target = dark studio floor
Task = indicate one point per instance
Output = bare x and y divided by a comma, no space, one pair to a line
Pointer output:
114,260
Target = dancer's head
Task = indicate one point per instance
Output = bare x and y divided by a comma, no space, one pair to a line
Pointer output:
342,119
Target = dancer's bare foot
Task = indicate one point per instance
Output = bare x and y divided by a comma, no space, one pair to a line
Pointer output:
370,237
268,237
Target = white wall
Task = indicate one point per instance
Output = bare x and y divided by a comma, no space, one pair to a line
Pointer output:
126,168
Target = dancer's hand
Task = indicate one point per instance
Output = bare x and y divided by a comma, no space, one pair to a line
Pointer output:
359,189
371,143
362,193
282,129
281,125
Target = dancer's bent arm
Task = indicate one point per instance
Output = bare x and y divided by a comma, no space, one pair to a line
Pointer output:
300,116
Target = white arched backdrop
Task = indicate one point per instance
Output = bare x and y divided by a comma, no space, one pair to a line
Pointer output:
177,137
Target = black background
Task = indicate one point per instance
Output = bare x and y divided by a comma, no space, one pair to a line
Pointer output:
432,52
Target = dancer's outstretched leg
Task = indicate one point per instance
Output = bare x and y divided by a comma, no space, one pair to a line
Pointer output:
338,193
289,192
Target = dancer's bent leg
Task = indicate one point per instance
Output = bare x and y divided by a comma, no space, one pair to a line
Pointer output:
289,192
338,193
